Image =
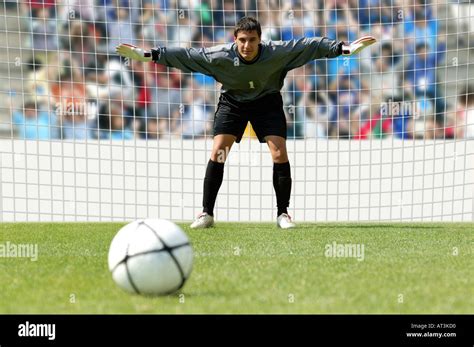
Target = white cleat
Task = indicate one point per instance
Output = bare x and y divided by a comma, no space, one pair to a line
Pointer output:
284,221
203,221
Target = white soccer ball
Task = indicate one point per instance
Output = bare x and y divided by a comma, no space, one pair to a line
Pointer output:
151,257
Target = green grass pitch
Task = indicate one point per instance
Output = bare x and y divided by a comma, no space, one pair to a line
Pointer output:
251,268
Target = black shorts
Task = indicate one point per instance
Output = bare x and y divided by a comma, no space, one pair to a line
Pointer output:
265,114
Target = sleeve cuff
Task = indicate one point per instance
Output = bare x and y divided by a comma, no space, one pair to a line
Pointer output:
155,54
339,47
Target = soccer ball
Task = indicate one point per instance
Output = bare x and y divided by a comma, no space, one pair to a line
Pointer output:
150,257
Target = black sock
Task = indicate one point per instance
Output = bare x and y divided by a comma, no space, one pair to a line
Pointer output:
212,183
282,185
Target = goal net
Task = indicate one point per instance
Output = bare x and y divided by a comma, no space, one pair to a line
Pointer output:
386,135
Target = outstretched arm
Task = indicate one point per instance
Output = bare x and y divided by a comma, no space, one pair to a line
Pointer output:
185,59
296,53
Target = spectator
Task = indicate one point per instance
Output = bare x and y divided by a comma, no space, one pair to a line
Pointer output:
34,122
194,119
120,29
271,27
402,118
342,65
49,5
44,30
118,128
385,73
421,72
78,9
420,25
150,132
164,104
154,23
38,80
315,109
346,95
375,12
114,82
203,16
297,23
71,105
81,44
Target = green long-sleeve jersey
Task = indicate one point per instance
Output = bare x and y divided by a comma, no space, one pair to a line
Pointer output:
246,81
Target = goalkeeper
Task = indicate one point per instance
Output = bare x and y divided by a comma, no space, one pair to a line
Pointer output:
251,72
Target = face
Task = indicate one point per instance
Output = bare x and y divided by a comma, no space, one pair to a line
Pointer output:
117,122
247,44
422,53
30,112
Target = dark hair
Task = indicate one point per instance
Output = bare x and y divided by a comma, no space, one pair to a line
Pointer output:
421,45
29,103
248,24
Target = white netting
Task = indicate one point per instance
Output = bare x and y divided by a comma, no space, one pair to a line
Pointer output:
385,135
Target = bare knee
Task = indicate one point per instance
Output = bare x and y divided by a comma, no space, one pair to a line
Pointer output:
220,154
277,146
279,156
221,147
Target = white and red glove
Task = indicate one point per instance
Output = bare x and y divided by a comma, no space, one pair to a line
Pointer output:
133,52
358,45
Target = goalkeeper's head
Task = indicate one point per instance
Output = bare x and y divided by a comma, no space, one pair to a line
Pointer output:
247,36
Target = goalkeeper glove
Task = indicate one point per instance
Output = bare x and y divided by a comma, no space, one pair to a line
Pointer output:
358,45
133,52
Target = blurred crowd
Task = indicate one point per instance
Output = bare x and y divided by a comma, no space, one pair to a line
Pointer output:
76,87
